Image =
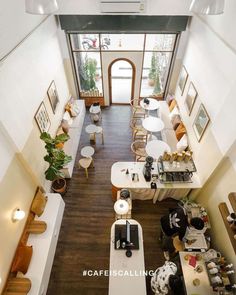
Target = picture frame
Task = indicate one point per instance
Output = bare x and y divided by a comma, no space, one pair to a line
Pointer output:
190,98
183,79
42,118
201,122
53,96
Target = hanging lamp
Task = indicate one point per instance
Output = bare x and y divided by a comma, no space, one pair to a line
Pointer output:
208,7
41,6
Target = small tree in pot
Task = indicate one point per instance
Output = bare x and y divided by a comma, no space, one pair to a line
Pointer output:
57,159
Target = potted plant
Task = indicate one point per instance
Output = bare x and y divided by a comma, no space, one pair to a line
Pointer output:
57,159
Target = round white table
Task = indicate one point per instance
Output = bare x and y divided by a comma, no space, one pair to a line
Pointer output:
87,151
91,129
153,124
153,104
156,148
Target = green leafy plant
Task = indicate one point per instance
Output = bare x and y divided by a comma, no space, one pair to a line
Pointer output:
89,69
154,74
56,157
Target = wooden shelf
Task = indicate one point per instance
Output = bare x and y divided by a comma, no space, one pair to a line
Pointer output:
225,212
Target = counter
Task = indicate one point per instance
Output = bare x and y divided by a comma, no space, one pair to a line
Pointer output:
142,189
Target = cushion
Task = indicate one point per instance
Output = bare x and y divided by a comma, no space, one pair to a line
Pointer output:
67,118
169,99
22,259
180,131
39,203
60,131
65,126
176,121
74,110
173,104
182,144
174,113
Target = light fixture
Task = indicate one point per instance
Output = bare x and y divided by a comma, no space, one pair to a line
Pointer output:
17,215
209,7
121,207
41,6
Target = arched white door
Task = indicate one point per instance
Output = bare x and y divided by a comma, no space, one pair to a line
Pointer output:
121,80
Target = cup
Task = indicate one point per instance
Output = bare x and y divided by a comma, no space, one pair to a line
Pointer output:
216,280
211,265
213,271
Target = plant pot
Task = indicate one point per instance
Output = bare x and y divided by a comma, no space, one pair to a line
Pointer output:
59,185
151,82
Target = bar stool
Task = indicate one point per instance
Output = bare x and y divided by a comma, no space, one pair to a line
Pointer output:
85,163
100,131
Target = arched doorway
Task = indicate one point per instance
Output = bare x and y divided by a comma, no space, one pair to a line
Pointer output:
121,73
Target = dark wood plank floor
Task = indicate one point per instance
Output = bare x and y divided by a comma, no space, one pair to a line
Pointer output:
85,233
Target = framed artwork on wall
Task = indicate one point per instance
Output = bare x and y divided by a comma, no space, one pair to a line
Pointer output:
53,96
201,121
183,79
42,118
190,98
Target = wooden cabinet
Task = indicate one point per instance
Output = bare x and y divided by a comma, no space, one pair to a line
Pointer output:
225,212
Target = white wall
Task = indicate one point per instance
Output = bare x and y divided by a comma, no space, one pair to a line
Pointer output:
25,76
15,24
154,7
211,63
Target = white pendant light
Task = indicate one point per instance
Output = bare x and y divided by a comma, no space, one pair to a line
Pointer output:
121,207
209,7
41,6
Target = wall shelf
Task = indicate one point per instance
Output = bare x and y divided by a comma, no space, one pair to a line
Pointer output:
224,213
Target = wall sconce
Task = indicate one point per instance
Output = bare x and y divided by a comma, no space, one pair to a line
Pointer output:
208,7
17,215
41,6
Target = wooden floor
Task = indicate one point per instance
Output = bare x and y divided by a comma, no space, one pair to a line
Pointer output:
85,233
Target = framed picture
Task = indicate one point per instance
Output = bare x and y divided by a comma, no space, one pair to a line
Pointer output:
190,98
201,121
53,96
42,118
183,79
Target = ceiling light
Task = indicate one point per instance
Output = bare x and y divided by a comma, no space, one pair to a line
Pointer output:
121,207
41,6
209,7
17,215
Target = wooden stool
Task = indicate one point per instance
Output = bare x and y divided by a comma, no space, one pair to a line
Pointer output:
85,163
91,130
17,286
100,131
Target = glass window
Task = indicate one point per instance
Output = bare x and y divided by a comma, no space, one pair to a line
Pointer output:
155,73
88,67
85,42
160,42
119,42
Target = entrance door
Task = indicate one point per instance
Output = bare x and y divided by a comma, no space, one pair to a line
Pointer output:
121,82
